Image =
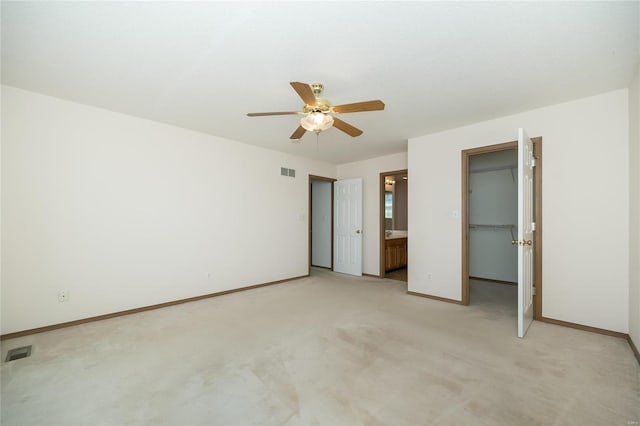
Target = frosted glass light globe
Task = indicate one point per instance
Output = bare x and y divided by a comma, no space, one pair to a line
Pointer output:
316,121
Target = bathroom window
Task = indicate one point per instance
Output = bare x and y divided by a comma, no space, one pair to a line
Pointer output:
388,205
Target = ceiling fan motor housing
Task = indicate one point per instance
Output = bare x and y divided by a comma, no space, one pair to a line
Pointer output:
322,105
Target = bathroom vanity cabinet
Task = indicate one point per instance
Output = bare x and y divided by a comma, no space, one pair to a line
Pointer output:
395,253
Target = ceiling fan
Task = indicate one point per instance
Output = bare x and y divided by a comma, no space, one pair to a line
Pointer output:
319,113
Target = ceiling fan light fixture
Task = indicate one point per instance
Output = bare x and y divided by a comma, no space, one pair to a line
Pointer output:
316,121
316,111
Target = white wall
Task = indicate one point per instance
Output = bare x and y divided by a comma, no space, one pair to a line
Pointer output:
369,171
585,207
634,209
125,212
321,223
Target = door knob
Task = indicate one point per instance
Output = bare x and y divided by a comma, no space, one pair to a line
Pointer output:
521,242
357,231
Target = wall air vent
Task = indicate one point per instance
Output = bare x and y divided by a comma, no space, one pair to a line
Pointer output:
287,172
18,353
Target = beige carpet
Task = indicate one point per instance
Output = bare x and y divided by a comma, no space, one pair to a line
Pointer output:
327,350
499,300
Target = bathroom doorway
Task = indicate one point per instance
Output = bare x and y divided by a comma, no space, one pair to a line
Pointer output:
394,224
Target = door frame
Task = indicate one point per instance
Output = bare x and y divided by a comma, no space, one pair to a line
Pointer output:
382,272
537,190
310,239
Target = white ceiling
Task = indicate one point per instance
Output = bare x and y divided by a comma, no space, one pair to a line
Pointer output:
203,66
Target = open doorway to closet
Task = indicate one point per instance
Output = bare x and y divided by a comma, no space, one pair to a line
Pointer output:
493,224
489,227
394,224
321,222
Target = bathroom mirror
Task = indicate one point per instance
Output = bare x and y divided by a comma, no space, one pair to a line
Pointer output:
395,202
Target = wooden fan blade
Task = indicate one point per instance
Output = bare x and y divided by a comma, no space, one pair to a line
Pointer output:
376,105
300,131
262,114
304,91
346,127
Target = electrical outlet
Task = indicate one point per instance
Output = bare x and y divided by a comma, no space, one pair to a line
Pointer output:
63,296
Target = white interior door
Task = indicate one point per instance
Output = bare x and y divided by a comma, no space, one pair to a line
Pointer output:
348,226
526,227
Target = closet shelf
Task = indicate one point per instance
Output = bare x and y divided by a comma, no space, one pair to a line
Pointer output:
510,227
479,225
493,169
512,169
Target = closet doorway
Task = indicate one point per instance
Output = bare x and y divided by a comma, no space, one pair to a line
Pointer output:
320,222
489,226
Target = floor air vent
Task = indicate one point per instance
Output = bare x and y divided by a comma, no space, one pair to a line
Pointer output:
18,353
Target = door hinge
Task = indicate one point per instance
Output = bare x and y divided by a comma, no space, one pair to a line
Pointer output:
534,291
533,226
533,163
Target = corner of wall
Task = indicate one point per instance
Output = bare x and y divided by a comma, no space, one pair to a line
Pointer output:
634,208
124,212
369,170
596,282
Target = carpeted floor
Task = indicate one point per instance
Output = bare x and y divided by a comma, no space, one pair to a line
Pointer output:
327,350
499,299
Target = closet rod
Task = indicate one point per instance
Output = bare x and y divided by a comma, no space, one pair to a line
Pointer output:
494,169
494,227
